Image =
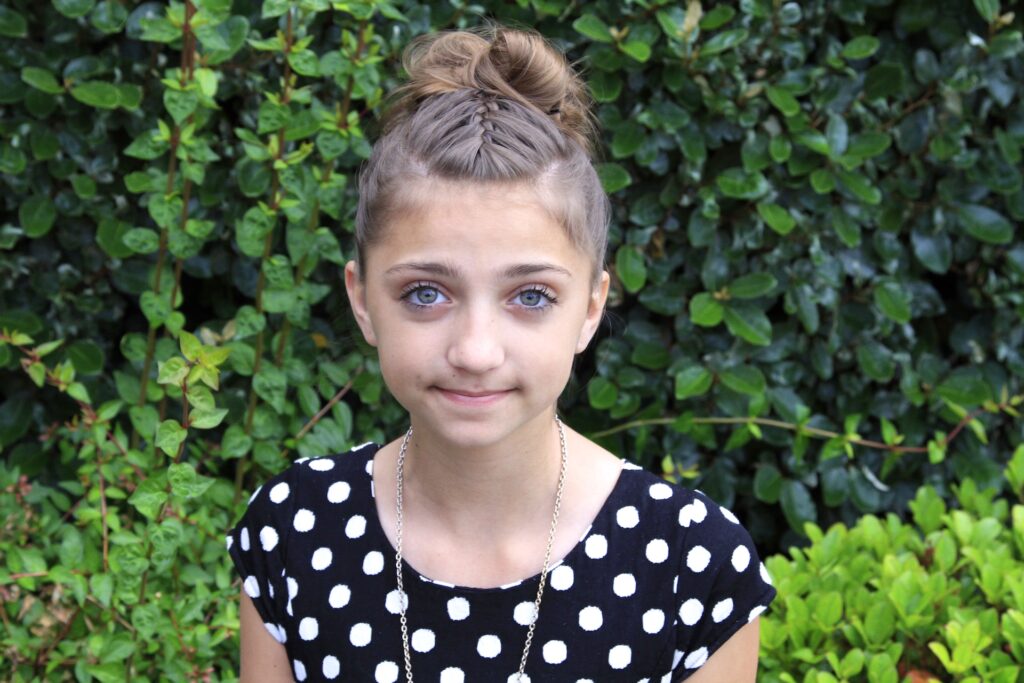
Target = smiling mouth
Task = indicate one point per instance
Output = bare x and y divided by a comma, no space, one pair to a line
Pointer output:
473,399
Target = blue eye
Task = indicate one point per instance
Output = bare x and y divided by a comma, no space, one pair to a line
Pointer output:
533,297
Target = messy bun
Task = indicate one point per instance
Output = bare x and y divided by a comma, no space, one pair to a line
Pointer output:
492,105
520,65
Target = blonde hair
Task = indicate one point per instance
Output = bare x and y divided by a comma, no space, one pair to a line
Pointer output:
495,106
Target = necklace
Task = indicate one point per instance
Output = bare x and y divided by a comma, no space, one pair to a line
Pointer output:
519,677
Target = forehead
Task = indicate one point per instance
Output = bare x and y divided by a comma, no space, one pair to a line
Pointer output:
474,227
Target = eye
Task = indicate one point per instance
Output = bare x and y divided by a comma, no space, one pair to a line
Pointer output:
532,297
417,290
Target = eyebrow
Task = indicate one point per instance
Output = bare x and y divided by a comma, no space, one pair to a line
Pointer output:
450,271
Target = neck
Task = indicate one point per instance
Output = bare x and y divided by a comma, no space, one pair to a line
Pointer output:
484,489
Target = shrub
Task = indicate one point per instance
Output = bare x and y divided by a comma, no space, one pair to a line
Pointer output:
886,601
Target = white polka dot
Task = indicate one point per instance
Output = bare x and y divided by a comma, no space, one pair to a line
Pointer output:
301,460
657,551
369,467
338,492
591,618
728,515
627,465
696,658
268,538
373,563
308,628
620,656
624,585
386,672
304,520
293,587
322,558
453,675
321,464
488,646
740,558
360,634
300,670
675,585
394,602
596,546
244,539
516,678
339,597
276,631
423,640
332,667
230,540
562,578
252,587
676,658
721,610
684,515
256,493
654,620
660,491
627,517
698,558
554,652
755,613
525,613
765,576
691,611
698,511
356,526
458,609
279,493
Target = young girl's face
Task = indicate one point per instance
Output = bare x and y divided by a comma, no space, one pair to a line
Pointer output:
476,291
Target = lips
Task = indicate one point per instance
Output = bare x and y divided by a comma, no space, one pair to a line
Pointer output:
474,394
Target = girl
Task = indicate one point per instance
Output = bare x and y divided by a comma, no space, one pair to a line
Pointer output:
490,542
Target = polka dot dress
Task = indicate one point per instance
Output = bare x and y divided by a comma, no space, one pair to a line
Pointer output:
661,579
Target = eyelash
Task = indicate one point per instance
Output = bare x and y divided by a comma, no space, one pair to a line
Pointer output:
540,289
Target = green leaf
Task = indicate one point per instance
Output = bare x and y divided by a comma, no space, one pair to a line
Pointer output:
859,185
207,419
875,361
614,177
637,49
37,215
984,224
98,94
73,9
740,184
12,23
780,149
693,381
822,181
837,133
601,393
190,345
869,144
270,384
767,484
752,285
894,301
716,17
748,323
141,240
41,79
593,28
777,218
861,47
149,497
180,104
631,268
797,505
726,40
965,387
86,356
236,442
884,80
169,436
185,482
813,140
783,100
988,9
705,310
745,379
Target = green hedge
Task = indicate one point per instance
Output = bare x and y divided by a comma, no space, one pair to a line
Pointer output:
883,602
816,305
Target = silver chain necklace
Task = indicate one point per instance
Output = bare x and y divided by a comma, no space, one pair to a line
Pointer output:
402,603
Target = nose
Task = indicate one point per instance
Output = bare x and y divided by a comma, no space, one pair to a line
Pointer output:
476,343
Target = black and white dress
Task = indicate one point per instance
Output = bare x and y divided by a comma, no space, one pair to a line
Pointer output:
661,579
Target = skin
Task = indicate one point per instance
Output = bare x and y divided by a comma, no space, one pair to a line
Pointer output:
479,481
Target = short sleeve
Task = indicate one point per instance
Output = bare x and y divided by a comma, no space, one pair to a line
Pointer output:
257,546
722,584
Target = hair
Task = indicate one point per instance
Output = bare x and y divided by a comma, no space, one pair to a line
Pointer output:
493,106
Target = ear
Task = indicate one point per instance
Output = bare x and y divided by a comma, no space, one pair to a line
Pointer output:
357,299
595,311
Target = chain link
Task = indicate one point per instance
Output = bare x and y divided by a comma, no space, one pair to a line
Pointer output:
403,603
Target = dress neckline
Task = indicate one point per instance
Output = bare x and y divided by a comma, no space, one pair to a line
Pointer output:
410,572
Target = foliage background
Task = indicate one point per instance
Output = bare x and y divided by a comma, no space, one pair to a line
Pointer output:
817,277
